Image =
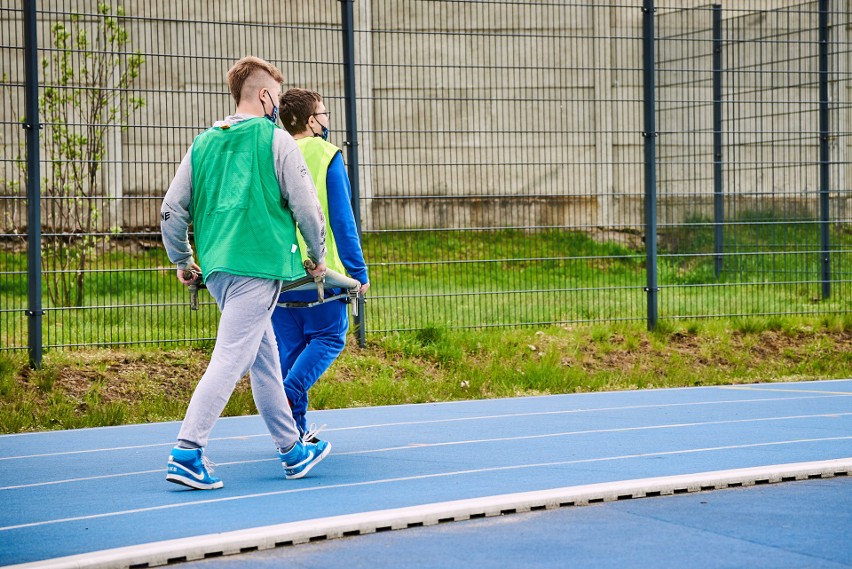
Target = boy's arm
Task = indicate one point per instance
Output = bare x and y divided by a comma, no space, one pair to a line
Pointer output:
175,216
342,220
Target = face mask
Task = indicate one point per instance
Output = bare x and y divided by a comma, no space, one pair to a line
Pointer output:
274,116
324,134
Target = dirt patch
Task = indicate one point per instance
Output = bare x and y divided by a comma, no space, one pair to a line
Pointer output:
115,376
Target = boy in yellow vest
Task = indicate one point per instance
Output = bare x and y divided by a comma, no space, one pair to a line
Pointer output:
310,339
243,185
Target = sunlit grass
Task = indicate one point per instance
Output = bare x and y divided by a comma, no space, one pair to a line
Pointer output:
479,279
89,388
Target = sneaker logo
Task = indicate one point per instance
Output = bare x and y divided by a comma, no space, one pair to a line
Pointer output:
307,460
199,476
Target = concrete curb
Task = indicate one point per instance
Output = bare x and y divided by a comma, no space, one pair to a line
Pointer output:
243,541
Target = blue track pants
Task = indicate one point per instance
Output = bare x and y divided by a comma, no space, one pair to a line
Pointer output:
309,340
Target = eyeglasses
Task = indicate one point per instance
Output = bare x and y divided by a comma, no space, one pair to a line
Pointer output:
327,113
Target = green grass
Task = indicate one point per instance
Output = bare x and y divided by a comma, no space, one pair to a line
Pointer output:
130,298
479,279
89,388
459,279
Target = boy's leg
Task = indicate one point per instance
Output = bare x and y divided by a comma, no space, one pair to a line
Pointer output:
289,335
245,303
268,393
325,328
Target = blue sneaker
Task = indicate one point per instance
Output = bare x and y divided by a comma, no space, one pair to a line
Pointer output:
189,466
302,457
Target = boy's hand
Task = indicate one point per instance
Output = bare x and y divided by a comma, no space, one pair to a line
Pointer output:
189,275
313,269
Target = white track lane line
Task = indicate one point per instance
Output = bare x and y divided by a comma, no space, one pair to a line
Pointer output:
459,402
595,431
418,446
438,421
417,477
781,390
262,538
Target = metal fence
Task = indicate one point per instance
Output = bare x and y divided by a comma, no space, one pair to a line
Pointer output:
757,182
515,163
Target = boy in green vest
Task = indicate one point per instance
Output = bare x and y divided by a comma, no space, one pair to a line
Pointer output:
243,185
309,339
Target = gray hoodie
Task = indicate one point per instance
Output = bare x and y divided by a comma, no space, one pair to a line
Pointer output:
297,190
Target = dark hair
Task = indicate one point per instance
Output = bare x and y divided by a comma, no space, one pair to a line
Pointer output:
296,107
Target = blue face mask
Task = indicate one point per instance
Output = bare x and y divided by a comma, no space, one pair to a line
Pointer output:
274,116
323,133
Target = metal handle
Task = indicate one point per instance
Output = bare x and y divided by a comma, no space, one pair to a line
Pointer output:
318,279
193,288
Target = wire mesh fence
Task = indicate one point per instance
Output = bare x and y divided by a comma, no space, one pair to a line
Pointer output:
105,276
753,191
502,157
504,142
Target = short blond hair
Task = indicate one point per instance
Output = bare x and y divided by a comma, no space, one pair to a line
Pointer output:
245,68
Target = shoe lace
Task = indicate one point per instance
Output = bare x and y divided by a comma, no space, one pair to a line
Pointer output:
312,431
208,464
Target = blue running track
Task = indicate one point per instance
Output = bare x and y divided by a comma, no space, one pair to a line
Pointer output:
100,494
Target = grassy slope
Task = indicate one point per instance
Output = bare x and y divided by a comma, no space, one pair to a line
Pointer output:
107,387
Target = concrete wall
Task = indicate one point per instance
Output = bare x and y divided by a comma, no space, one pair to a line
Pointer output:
472,114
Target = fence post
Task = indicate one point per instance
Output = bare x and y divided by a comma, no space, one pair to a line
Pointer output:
824,149
718,203
350,100
650,135
32,127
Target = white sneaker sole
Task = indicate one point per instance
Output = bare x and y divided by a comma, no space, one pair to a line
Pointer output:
183,480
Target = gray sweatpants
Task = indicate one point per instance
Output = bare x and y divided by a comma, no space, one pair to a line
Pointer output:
245,342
